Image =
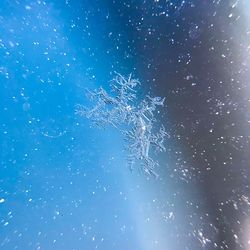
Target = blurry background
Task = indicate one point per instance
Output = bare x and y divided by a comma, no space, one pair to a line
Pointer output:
65,185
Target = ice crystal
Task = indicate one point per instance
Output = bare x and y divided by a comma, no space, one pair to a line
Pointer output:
136,121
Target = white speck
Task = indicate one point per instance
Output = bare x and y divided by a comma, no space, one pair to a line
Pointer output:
171,215
235,236
11,44
2,200
27,7
189,77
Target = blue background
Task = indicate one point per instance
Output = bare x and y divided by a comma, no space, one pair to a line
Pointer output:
64,184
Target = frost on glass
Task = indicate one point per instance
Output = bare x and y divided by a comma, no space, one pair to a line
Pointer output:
135,120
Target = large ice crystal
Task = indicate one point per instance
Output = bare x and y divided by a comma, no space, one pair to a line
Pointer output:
135,120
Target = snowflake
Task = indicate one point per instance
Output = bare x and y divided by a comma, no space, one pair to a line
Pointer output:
136,121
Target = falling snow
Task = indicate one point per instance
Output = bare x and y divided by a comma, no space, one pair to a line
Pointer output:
61,187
